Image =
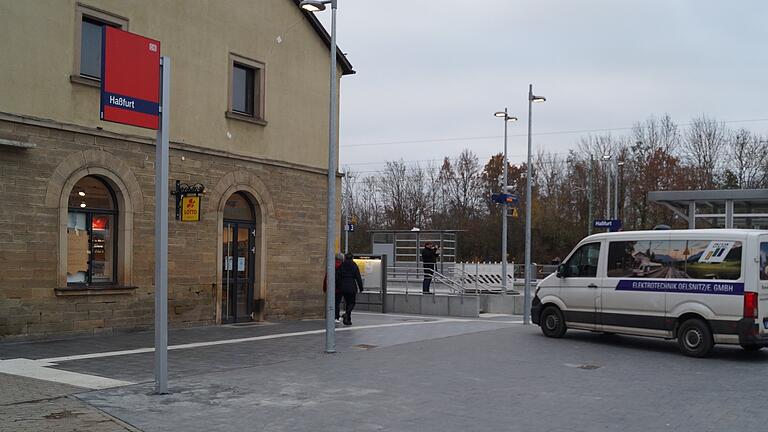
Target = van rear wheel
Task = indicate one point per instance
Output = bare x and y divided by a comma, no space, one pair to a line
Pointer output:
695,339
552,322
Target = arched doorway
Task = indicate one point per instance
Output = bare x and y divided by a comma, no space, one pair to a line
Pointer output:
241,238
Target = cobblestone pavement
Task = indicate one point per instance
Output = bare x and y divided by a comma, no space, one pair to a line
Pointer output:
398,373
509,379
30,405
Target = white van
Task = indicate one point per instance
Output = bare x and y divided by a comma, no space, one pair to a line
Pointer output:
699,286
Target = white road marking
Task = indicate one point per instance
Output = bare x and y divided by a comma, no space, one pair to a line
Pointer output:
241,340
39,369
258,338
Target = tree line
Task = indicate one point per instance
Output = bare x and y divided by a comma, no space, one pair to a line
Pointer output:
656,154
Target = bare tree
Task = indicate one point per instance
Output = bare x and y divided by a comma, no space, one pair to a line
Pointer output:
465,190
747,159
657,134
549,173
703,149
404,195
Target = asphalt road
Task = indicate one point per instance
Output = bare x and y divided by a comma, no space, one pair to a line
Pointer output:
442,375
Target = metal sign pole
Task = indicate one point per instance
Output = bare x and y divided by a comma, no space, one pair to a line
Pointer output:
161,234
330,247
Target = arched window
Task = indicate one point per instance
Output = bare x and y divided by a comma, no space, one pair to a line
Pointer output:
238,207
92,233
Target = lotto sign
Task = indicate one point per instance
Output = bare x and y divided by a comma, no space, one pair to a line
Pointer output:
130,79
190,209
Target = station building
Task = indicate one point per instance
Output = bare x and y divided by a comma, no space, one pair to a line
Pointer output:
248,123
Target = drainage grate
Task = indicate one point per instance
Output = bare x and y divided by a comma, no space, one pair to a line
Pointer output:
365,346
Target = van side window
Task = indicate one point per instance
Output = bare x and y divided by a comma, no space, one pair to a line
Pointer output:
763,261
640,259
583,262
707,259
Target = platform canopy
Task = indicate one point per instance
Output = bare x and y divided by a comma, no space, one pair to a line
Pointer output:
732,208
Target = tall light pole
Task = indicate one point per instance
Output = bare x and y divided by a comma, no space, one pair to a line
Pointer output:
528,198
589,195
616,165
505,116
330,245
606,158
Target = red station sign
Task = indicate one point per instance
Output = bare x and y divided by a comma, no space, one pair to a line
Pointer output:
130,79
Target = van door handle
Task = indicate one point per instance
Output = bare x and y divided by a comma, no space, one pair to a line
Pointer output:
591,286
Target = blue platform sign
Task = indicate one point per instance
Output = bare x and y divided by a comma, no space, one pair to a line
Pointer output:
613,225
503,198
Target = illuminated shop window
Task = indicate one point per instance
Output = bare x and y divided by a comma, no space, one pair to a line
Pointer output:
91,233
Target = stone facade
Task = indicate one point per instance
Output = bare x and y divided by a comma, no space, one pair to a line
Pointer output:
35,183
51,136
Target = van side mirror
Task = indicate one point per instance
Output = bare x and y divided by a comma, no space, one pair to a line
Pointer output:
562,271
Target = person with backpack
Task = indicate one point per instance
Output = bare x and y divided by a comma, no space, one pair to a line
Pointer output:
351,282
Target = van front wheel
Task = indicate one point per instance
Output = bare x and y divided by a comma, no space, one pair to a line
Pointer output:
552,322
695,338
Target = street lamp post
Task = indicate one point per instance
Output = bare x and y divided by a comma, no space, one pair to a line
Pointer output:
505,116
606,158
330,246
528,198
589,196
616,165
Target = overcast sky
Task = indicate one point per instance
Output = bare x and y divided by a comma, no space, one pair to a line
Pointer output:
437,70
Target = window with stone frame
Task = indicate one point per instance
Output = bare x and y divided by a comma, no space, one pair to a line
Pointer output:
89,25
246,89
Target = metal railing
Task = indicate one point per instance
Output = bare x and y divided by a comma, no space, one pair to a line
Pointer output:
412,274
462,278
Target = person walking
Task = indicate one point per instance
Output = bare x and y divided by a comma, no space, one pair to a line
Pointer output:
428,258
337,265
351,282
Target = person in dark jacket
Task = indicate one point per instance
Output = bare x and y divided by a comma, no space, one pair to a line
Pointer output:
428,259
339,260
351,282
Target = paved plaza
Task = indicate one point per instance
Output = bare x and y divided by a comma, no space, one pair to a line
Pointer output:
391,373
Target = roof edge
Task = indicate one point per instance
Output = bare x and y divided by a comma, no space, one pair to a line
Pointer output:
346,66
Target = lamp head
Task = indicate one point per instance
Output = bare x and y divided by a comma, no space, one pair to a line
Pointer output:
538,99
504,115
312,5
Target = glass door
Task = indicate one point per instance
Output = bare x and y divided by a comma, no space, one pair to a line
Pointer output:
238,274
